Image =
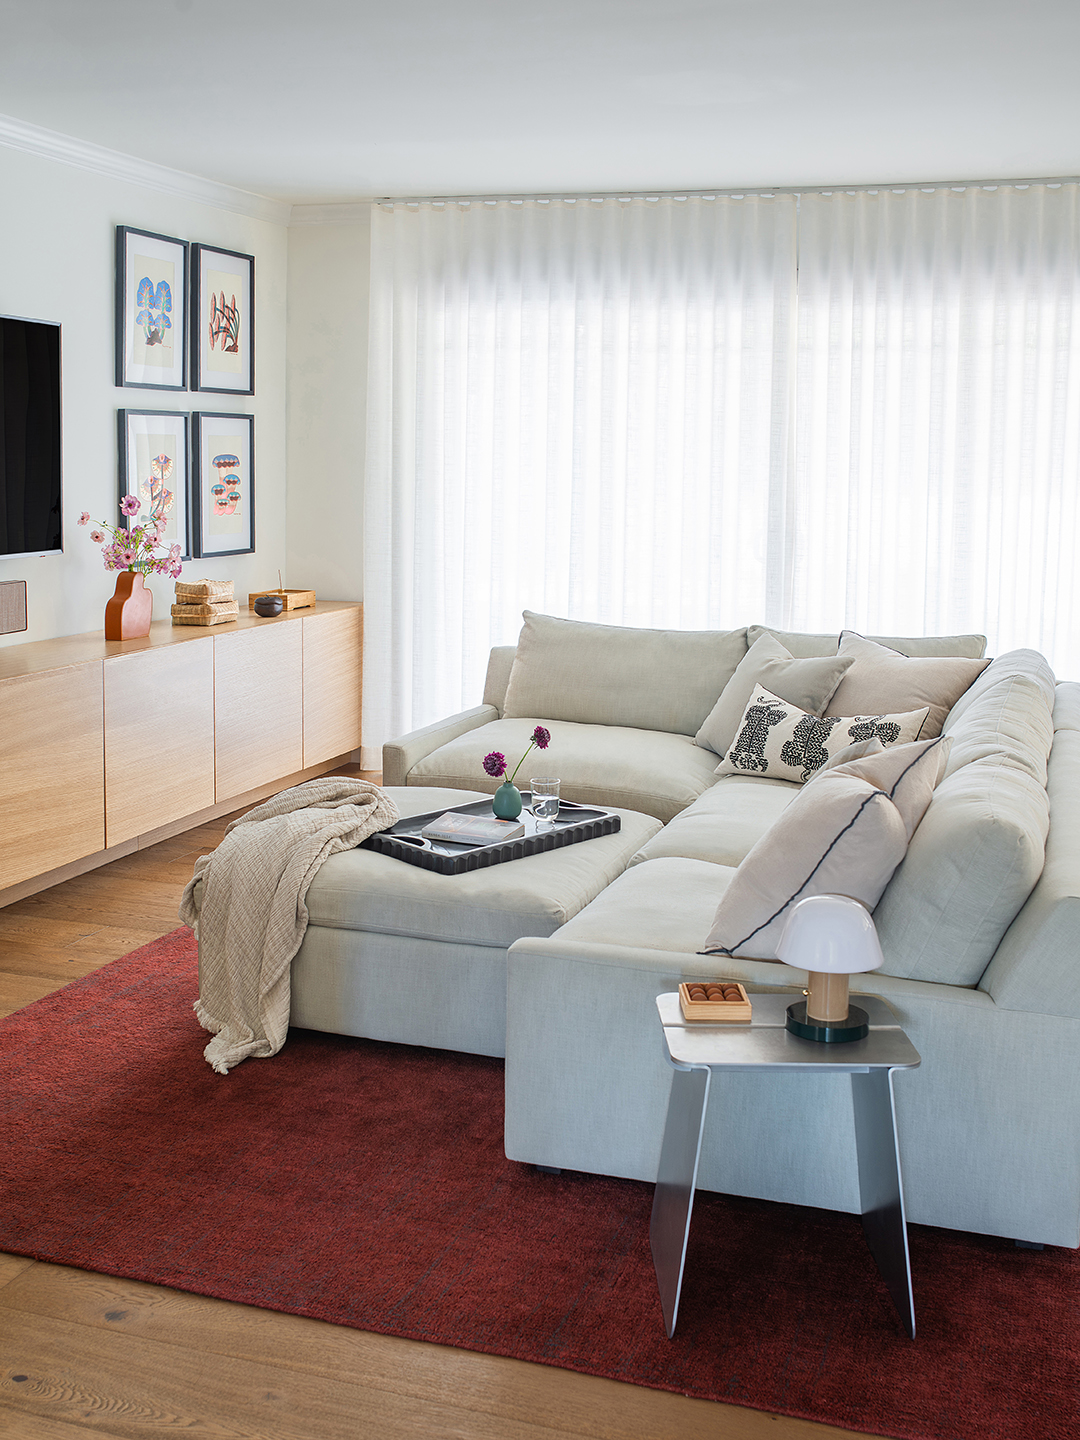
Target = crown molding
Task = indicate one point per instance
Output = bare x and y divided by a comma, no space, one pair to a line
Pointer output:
353,212
21,135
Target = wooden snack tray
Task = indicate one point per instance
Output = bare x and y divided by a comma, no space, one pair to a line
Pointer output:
716,1011
291,599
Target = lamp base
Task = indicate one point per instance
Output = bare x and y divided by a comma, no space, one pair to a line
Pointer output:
854,1026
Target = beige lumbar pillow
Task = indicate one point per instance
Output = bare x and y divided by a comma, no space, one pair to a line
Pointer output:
782,742
809,684
881,679
843,835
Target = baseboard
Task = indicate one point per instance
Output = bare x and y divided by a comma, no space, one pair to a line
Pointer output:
38,883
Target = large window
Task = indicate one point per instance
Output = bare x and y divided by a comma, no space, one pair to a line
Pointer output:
847,409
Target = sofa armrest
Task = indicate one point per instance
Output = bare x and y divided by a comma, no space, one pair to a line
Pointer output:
399,756
500,663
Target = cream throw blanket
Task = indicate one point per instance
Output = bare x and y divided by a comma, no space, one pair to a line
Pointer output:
254,914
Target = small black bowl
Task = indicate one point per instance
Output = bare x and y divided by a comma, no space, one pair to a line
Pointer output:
267,605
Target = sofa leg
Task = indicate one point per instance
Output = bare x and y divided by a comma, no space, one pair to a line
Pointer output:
554,1170
1027,1245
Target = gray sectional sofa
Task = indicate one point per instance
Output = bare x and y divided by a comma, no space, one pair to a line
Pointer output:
979,925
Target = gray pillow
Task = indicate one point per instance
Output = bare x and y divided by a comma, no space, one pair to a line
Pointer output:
809,684
803,644
613,675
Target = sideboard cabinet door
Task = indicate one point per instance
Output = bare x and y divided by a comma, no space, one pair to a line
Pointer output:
159,737
258,706
331,684
51,759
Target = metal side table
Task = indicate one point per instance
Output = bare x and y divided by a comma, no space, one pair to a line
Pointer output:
696,1049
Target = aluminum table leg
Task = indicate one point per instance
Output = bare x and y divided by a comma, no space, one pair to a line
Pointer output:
880,1187
673,1199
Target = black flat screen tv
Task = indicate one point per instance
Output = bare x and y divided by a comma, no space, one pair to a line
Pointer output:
29,437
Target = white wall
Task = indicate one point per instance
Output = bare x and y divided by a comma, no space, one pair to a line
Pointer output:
57,262
327,361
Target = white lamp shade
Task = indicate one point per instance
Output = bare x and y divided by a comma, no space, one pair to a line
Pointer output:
830,934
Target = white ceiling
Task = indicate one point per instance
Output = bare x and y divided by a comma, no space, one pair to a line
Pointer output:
324,100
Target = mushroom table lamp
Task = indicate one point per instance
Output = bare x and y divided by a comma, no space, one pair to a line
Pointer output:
832,937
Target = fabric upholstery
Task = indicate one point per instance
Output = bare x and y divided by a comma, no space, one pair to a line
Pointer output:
803,645
979,851
844,834
399,756
1034,967
500,663
665,680
362,890
809,684
883,682
786,743
648,770
724,823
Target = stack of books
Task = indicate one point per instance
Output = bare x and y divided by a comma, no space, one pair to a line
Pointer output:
204,602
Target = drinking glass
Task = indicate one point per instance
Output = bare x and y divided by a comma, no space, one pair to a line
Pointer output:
545,799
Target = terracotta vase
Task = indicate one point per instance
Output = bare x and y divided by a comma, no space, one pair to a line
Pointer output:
128,613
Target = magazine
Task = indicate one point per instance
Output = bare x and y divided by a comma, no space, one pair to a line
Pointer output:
460,829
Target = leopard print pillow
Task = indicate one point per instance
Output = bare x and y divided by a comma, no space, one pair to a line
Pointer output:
781,742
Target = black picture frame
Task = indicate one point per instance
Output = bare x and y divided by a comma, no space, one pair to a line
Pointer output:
222,298
232,437
137,472
152,307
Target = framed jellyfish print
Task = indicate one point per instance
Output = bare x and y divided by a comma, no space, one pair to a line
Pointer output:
151,310
222,321
224,508
155,467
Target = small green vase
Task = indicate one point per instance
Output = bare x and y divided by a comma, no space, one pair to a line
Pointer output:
506,802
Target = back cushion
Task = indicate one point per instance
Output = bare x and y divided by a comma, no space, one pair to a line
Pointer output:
979,851
610,675
804,645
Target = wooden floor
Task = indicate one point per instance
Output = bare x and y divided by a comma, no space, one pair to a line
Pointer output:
85,1352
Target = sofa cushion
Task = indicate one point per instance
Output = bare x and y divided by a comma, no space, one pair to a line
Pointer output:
612,675
363,890
882,681
667,904
724,823
787,743
803,644
806,683
844,834
647,770
979,851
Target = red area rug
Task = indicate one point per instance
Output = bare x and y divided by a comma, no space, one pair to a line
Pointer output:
365,1184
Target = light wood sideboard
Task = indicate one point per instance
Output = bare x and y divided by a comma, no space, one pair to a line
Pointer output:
107,746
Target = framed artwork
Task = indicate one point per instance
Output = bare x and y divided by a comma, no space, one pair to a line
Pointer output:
224,484
155,466
151,309
222,321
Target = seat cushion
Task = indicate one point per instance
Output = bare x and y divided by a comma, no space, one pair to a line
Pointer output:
646,770
724,823
666,904
362,890
614,675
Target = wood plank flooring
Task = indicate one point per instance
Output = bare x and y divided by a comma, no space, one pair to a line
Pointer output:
81,1352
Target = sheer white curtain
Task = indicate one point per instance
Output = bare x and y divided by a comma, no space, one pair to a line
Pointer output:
937,416
579,407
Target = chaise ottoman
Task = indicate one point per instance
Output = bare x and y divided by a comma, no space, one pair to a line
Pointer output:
395,952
